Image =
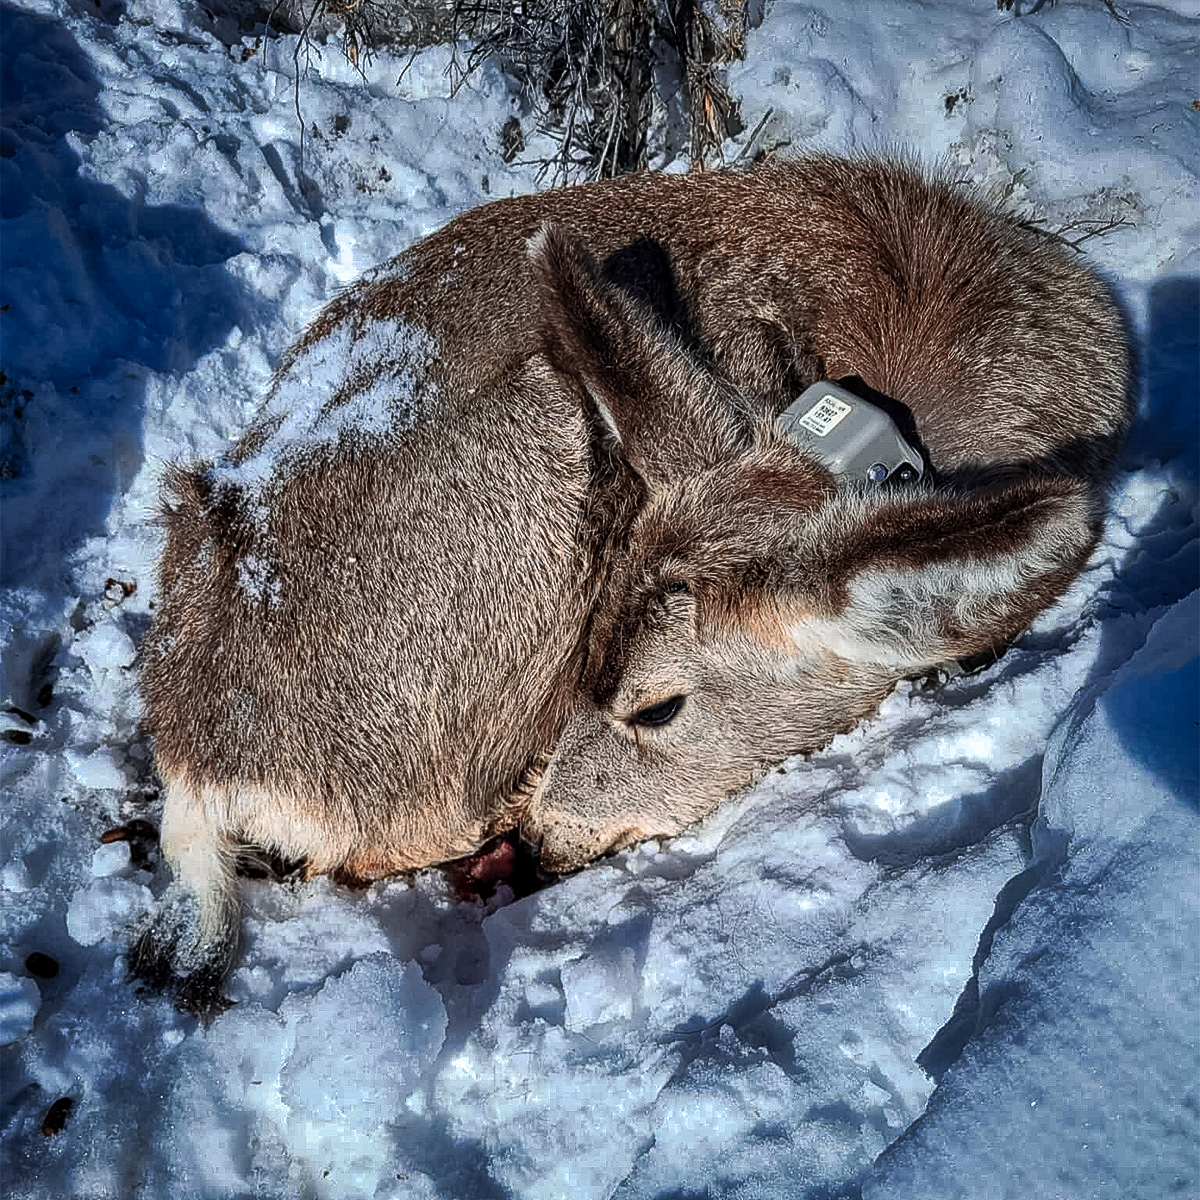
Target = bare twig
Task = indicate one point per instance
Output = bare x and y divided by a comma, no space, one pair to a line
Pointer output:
303,43
747,152
1093,228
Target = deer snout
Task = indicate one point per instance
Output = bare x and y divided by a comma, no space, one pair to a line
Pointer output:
590,799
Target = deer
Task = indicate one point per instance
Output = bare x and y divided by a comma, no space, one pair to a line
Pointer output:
539,531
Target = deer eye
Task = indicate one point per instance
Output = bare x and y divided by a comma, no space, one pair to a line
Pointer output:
658,714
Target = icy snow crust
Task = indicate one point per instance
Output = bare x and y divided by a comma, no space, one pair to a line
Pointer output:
954,954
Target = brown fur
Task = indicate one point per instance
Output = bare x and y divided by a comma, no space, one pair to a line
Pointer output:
362,657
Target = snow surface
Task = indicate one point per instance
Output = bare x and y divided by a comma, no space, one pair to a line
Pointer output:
955,954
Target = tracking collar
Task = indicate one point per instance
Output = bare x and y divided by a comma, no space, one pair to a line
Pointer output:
854,439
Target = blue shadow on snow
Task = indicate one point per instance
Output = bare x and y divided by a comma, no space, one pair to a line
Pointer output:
87,276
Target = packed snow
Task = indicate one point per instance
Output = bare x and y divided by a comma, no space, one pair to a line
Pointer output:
955,954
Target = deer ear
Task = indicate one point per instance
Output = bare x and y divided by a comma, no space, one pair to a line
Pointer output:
669,416
908,583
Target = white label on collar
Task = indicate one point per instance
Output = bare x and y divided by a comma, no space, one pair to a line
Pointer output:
825,415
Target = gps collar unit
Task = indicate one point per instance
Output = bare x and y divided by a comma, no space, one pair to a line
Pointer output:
855,439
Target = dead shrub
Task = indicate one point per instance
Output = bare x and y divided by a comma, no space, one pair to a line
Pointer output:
600,79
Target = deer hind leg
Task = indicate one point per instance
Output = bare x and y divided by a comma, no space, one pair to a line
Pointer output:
188,944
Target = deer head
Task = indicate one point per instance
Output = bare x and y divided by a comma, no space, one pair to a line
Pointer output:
755,609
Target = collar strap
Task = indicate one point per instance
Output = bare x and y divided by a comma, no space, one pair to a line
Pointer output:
854,439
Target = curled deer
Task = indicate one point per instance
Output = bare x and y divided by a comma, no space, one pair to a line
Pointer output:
581,513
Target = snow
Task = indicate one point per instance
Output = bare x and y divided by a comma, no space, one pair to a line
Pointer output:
105,908
113,858
954,954
97,770
1095,977
19,1001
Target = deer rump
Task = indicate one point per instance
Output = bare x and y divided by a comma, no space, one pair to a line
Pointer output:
515,542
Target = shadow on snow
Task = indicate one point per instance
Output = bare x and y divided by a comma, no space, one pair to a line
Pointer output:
96,290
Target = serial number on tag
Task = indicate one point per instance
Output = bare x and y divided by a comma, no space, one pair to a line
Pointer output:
825,415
